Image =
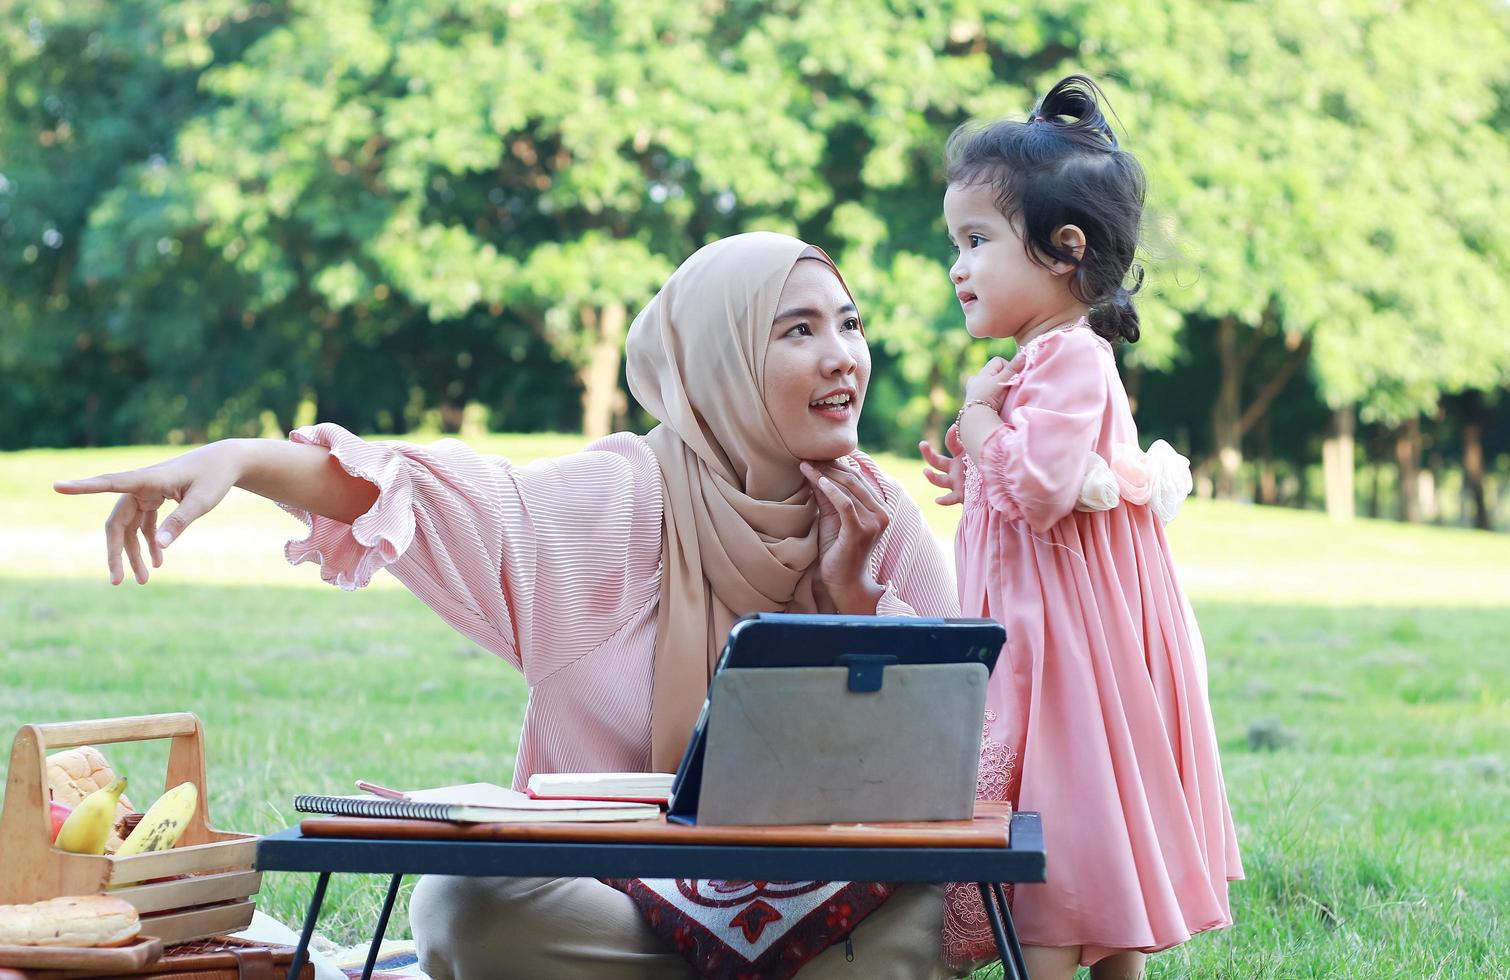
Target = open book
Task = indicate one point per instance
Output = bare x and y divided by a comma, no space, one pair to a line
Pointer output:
473,803
618,787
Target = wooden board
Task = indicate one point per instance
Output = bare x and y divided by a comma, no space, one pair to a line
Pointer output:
190,892
226,852
215,957
145,950
990,828
199,923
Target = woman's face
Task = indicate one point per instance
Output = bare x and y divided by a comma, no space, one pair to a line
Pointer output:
817,364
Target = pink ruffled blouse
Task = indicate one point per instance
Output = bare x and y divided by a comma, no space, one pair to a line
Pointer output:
556,568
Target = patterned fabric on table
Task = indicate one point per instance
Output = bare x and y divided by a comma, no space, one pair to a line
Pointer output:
752,930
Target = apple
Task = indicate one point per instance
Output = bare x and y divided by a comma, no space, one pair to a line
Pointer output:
60,812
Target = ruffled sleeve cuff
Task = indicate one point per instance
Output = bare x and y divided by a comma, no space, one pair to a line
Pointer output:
891,604
1001,482
349,554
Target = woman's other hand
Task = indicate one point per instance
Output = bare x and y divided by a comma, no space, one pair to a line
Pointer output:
851,519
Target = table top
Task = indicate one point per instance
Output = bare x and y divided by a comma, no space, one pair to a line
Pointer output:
1022,859
987,826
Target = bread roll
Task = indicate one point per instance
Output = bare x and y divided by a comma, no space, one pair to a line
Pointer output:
81,920
75,773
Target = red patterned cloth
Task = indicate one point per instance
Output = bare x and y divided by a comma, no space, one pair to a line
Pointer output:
752,930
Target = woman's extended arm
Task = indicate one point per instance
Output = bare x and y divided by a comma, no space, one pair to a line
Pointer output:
302,476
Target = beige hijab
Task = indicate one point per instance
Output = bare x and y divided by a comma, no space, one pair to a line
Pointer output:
741,525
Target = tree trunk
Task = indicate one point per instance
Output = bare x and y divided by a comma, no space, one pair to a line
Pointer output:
1230,420
1431,479
1337,465
620,410
1408,460
1265,489
1426,496
1268,487
91,419
1227,412
600,375
1473,458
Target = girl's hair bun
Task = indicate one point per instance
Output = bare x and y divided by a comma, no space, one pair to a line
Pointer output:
1074,103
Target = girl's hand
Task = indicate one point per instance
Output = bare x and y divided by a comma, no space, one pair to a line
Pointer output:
947,472
198,480
989,384
851,520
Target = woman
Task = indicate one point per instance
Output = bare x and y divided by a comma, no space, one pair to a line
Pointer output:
611,578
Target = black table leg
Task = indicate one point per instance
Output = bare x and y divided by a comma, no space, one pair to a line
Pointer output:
309,926
995,903
1011,930
382,926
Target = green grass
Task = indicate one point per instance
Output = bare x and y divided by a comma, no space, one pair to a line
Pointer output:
1358,678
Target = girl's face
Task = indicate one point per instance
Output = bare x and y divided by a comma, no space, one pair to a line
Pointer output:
817,365
1002,291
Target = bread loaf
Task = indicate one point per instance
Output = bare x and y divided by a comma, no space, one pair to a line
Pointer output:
81,920
75,773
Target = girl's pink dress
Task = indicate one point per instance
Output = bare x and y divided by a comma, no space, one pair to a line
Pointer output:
1098,715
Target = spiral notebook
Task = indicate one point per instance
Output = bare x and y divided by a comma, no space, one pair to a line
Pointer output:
473,803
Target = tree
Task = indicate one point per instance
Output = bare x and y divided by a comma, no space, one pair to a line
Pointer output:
1276,145
89,92
389,212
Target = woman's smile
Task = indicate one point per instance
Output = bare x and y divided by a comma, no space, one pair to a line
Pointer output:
838,405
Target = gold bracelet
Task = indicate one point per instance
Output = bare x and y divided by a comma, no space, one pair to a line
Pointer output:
959,417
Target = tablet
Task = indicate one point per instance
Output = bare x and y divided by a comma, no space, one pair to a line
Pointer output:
864,645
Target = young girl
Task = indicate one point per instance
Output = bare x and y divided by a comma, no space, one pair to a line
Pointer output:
1097,715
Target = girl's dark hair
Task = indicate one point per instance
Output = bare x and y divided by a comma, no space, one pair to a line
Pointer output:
1063,166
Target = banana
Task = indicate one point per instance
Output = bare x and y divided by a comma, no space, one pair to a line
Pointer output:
88,827
163,823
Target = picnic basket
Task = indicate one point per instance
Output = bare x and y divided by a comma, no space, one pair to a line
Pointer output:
211,874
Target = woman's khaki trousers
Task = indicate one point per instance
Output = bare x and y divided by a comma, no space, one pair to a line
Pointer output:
568,928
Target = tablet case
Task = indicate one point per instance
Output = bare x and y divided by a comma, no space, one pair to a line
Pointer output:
872,738
799,747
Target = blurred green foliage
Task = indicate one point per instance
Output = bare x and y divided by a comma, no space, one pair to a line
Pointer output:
223,217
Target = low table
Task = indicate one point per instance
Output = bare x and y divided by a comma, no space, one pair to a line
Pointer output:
997,847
